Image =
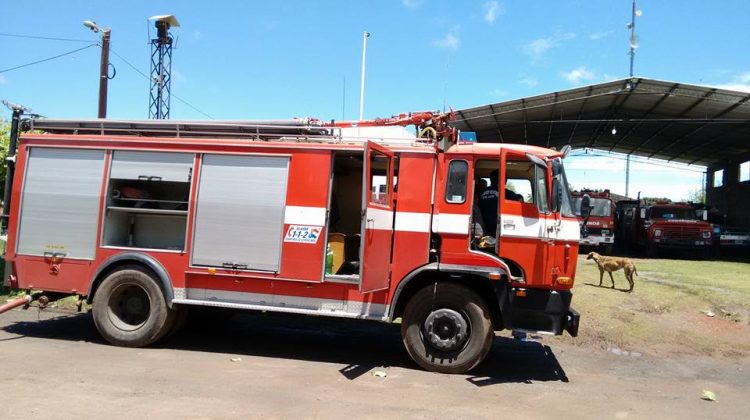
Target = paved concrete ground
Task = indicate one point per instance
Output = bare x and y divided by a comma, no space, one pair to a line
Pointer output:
58,367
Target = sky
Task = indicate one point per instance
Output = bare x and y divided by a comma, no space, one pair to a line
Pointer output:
259,60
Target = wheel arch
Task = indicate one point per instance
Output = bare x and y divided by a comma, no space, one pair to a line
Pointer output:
475,278
114,262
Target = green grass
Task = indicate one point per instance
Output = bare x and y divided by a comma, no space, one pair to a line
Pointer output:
667,310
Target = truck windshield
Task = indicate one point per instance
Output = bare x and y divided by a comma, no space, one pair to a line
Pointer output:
601,207
672,213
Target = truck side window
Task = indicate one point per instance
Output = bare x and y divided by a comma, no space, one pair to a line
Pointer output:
455,188
379,179
520,181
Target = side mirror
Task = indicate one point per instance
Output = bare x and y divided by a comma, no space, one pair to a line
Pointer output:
556,194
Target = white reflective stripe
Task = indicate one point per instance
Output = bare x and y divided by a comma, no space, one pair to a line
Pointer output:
533,227
519,226
570,230
379,219
451,223
413,222
280,303
296,215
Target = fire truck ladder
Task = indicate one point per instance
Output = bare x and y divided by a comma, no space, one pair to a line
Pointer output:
430,127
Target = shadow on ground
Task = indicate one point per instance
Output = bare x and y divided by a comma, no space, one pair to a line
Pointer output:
360,346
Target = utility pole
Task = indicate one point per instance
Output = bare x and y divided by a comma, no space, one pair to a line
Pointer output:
104,73
103,65
627,175
633,38
365,35
633,45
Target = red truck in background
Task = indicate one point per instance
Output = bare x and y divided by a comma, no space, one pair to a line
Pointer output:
599,226
660,226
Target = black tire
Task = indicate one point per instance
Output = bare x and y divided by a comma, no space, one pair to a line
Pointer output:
180,319
130,310
463,343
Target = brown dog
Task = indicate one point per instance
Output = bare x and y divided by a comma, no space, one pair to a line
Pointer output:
610,264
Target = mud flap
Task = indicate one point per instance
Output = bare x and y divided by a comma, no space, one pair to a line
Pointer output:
571,322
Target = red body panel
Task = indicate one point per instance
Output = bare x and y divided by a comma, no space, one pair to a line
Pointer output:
418,201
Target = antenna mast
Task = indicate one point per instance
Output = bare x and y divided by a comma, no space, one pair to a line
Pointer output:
161,67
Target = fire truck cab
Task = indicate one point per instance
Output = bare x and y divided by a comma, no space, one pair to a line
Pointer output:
144,219
674,226
599,231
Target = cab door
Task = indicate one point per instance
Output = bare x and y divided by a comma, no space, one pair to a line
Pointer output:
523,214
377,219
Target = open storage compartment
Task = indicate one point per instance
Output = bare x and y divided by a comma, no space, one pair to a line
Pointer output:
147,200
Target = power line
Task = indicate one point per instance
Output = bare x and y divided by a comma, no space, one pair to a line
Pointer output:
129,64
149,79
48,59
640,161
46,38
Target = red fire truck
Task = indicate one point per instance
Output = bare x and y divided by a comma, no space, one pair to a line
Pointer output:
662,226
600,221
144,219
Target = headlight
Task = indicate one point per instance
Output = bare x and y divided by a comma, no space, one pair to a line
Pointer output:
706,234
657,232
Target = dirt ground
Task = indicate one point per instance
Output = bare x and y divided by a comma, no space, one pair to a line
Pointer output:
261,366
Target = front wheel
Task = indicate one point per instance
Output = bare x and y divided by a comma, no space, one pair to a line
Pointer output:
130,309
447,328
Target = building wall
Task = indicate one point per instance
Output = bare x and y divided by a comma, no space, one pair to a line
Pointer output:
733,197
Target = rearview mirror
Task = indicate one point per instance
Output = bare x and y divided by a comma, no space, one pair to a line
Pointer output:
565,150
585,206
537,160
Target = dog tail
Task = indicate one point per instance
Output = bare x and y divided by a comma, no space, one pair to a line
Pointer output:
635,270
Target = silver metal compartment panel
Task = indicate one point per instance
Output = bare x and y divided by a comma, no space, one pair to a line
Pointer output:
240,211
60,202
175,167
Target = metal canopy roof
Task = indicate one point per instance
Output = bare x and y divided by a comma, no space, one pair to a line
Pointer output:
652,118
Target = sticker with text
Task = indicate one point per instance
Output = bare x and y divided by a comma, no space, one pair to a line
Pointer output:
303,234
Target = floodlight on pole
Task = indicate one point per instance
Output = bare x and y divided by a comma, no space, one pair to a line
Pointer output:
365,35
161,67
103,65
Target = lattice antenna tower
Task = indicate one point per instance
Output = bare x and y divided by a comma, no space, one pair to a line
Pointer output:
161,67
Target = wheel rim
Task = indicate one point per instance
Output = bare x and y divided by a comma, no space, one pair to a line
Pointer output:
446,329
129,307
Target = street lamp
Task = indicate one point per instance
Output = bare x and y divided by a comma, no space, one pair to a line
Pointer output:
103,65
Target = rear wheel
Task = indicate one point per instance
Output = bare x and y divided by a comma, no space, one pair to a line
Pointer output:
130,309
447,328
